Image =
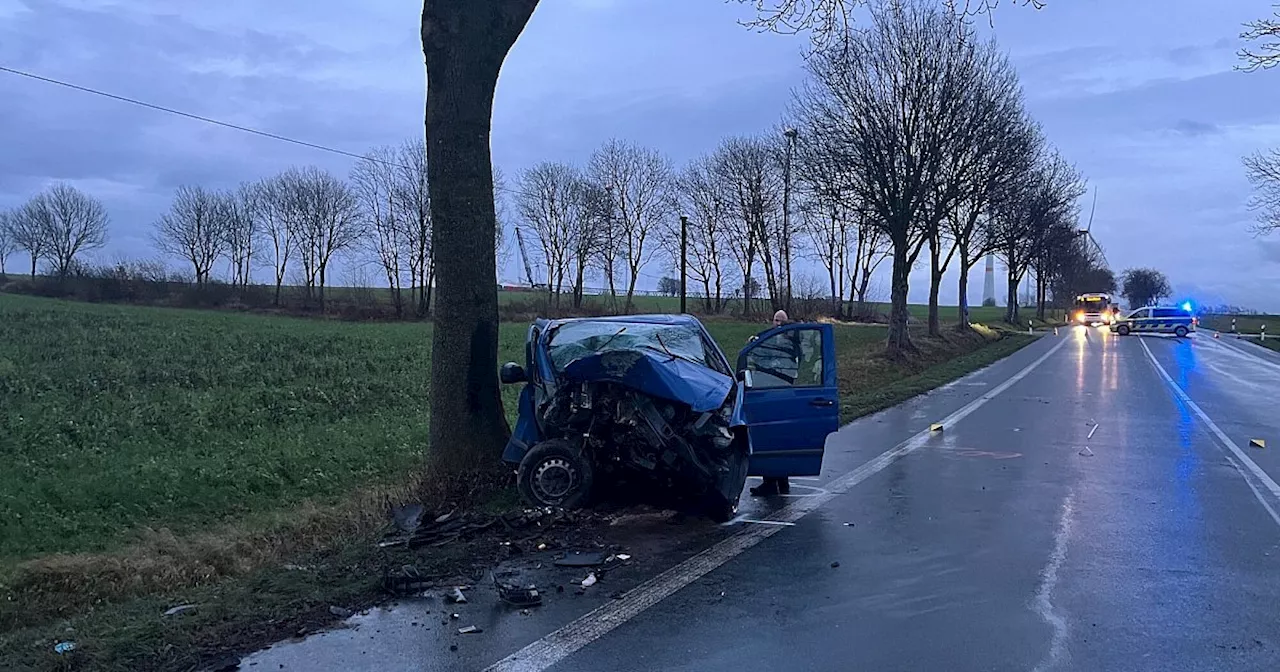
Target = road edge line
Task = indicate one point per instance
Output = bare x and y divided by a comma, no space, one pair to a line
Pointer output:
559,644
1262,476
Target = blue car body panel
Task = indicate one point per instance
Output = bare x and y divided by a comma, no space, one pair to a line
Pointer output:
657,375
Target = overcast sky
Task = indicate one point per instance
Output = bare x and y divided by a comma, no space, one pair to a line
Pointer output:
1140,94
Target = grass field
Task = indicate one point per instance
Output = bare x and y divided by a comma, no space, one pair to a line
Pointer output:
1245,324
125,430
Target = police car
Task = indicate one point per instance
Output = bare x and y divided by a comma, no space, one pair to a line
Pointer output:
1156,320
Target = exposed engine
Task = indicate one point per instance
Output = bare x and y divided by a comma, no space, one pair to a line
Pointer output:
624,431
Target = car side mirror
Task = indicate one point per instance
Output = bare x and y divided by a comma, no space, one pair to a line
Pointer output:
745,376
512,373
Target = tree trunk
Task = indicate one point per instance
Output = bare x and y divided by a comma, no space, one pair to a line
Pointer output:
464,44
935,284
962,314
899,337
279,283
1011,312
34,258
322,288
426,297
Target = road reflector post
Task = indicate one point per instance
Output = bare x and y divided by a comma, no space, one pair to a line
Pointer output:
1030,330
1233,325
1257,443
935,427
1263,337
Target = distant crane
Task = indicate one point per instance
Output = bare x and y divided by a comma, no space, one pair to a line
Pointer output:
524,256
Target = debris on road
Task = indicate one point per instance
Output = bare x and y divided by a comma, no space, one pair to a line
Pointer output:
1257,443
64,647
469,630
173,611
408,580
589,581
520,597
581,559
835,564
1086,452
850,524
935,427
340,612
455,616
456,597
624,557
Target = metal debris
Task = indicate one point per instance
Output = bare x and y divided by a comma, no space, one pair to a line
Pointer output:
581,559
520,597
624,557
469,630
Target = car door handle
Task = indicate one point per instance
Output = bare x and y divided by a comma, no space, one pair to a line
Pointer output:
824,403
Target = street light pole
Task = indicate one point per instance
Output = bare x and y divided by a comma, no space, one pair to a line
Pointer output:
684,263
790,135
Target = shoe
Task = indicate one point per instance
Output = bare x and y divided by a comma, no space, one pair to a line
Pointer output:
784,486
766,489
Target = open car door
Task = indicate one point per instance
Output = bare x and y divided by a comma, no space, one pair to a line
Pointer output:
791,402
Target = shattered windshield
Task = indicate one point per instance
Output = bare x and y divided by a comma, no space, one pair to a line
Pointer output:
576,340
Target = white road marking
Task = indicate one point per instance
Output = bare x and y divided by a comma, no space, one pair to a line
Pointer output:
593,625
1095,428
1048,581
1262,477
767,522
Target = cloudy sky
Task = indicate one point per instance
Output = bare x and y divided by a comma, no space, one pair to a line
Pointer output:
1140,94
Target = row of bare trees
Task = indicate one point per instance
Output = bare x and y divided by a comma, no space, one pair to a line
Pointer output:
54,226
918,130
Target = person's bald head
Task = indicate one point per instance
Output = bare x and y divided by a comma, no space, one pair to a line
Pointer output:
780,318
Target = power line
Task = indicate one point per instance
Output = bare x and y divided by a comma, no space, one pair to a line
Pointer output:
189,115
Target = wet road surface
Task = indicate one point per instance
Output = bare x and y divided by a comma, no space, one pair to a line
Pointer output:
1092,503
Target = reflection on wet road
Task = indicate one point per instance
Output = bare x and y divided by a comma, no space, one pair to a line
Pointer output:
1091,504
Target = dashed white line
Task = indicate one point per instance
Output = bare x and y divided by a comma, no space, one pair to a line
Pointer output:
1043,603
593,625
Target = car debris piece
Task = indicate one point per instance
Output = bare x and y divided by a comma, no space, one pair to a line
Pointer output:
173,611
405,581
835,564
581,559
624,557
469,630
518,596
64,647
456,597
589,581
455,616
340,612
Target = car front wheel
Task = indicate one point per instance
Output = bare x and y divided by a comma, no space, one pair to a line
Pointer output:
555,473
1180,332
1123,330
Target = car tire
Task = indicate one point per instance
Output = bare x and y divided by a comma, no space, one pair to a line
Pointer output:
1180,332
1123,330
555,473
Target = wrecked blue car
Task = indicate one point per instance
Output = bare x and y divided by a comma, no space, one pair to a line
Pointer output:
617,400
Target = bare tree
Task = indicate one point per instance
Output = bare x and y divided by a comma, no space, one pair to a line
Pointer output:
373,181
195,229
884,104
639,182
828,22
24,231
412,210
1263,171
244,211
274,194
1267,32
703,199
747,170
566,213
8,244
68,222
871,251
325,222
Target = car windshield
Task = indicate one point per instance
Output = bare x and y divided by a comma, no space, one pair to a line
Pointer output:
576,340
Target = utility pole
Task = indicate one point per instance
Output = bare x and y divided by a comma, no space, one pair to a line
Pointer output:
684,262
790,134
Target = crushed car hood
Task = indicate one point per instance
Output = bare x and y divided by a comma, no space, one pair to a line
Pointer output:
655,374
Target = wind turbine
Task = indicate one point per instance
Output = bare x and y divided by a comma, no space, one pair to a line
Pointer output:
1086,231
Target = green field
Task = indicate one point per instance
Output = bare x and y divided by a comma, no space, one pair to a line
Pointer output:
1245,324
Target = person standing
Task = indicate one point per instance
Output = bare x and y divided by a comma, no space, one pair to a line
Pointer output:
773,485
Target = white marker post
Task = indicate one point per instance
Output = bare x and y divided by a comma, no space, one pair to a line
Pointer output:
1030,331
1263,337
1233,325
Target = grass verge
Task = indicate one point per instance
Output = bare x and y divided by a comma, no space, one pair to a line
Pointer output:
245,463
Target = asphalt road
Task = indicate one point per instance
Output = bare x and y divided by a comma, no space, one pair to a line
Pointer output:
1091,503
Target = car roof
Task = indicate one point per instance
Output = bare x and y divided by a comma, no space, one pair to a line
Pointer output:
654,318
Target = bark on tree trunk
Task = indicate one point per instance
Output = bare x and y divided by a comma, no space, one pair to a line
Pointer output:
34,258
464,44
899,337
963,313
935,284
322,290
1011,313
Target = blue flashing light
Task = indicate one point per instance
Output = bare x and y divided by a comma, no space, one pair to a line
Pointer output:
1187,306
